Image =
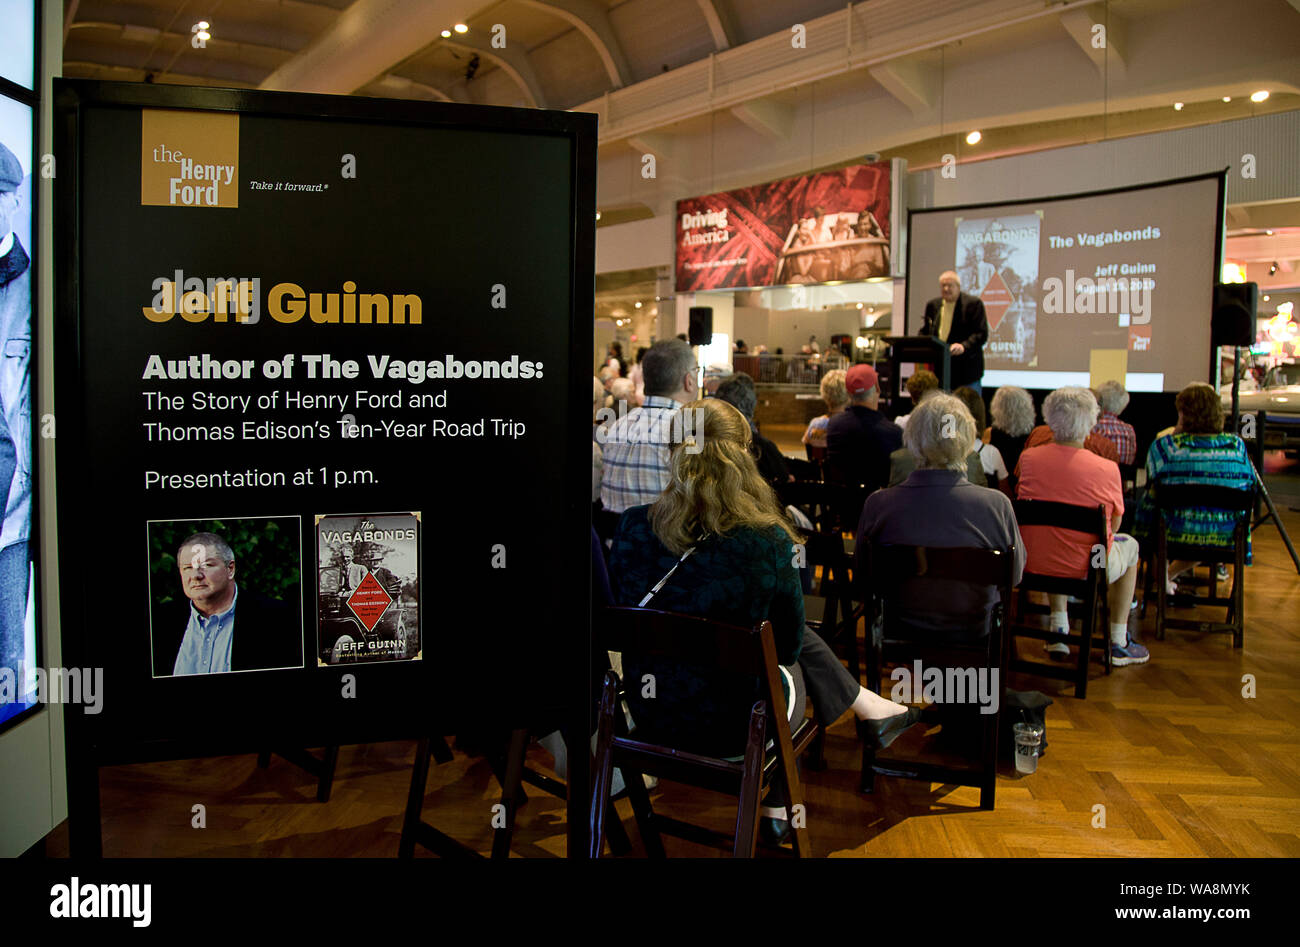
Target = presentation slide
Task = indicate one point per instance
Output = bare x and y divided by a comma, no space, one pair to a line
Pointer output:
1120,282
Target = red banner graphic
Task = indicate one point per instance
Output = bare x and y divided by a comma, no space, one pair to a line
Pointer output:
817,228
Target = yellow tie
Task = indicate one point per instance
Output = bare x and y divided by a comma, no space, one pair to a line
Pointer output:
945,320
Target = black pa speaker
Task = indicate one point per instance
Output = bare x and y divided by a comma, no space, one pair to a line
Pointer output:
1233,320
701,332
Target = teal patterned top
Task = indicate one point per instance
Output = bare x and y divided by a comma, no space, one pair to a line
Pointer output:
1209,459
740,578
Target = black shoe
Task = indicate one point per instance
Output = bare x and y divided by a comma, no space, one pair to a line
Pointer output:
773,831
881,733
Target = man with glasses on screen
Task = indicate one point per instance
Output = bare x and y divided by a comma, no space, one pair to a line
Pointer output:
15,413
228,628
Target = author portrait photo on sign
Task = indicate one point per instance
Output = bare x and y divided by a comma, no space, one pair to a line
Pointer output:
225,596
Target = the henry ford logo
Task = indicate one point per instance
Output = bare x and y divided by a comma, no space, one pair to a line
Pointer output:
189,159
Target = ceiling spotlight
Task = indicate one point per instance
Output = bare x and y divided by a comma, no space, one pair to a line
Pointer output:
859,305
1272,269
598,215
1265,297
1227,98
638,304
1178,106
973,138
1259,96
461,28
1268,232
203,35
446,33
203,25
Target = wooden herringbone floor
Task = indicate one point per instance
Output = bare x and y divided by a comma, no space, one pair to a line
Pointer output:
1183,763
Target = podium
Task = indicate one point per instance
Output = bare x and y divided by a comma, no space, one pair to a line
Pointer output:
917,349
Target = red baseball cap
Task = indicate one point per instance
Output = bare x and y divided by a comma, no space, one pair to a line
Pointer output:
860,378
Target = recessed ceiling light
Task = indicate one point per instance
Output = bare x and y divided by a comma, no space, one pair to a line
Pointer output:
638,304
461,28
1266,298
598,215
1178,106
203,24
1227,98
973,138
859,305
1268,232
1259,96
446,33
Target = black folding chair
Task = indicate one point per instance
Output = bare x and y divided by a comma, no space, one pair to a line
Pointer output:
973,644
1170,498
1091,589
711,647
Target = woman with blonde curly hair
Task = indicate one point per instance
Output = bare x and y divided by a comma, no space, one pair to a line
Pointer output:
716,544
836,397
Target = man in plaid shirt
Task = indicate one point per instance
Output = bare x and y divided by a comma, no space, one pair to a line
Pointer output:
636,445
1113,400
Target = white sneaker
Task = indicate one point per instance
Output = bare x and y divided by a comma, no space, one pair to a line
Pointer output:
1057,649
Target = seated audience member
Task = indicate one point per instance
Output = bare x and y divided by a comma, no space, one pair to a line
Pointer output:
723,549
1012,418
902,462
636,445
920,384
739,392
741,347
836,397
937,506
1066,472
607,375
616,360
860,439
1102,446
1113,400
637,375
597,456
1198,452
623,391
990,458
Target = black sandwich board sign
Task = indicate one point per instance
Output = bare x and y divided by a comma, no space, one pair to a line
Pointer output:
320,364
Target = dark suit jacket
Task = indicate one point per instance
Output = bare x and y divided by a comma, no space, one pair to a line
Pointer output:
268,634
858,444
970,327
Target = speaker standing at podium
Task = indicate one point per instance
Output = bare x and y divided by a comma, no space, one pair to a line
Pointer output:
958,318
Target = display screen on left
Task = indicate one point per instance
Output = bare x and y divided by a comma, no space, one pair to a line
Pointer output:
18,654
18,42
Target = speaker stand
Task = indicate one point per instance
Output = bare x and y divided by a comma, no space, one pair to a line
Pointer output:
1272,514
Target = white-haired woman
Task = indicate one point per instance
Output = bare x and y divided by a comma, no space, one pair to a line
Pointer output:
1113,399
937,506
1012,413
1066,472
